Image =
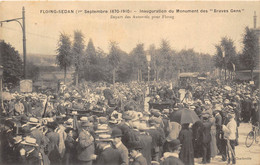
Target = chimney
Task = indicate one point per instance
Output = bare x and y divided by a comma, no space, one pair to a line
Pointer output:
255,21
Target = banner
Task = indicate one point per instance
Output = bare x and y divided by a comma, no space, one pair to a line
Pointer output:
26,86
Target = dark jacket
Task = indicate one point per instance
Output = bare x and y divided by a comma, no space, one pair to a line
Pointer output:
206,136
85,146
171,160
124,154
218,122
140,160
109,156
187,153
53,151
147,146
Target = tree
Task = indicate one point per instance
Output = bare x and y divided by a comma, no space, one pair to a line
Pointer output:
250,55
139,56
154,68
229,52
165,59
114,58
91,53
78,53
12,64
225,57
64,56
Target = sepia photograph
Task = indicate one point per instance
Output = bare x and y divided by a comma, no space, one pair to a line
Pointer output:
129,82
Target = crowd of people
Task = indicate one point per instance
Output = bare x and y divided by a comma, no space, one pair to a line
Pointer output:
103,124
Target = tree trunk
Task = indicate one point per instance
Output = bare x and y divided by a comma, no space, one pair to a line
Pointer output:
225,74
114,76
77,78
65,74
141,75
157,75
138,75
251,74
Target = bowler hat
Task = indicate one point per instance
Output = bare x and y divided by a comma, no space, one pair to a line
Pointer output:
174,144
24,119
116,132
26,130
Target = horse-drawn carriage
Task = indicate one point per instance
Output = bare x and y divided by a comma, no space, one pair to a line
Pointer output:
161,105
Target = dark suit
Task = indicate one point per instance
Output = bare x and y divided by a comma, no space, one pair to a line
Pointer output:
171,160
140,160
218,129
85,146
125,131
206,139
53,152
33,158
38,135
124,154
109,156
157,142
147,146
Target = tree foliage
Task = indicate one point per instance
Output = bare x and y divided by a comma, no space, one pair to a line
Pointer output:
94,64
226,56
114,58
91,53
12,64
78,53
250,55
139,60
64,57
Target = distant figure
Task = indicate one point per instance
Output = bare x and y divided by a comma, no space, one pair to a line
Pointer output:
186,153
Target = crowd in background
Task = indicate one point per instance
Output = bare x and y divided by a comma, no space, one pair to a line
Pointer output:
103,124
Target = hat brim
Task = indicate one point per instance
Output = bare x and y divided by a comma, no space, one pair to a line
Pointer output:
104,140
29,144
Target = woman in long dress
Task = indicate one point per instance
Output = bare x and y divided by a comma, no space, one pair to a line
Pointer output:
213,143
186,154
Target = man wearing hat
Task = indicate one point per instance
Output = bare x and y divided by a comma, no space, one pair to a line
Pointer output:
206,138
171,154
37,132
158,137
218,123
53,151
135,153
30,153
116,135
125,128
85,148
230,136
108,155
19,107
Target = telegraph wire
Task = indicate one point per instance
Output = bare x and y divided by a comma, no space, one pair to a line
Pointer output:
30,33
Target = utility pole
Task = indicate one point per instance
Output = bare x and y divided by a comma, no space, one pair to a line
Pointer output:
255,20
24,45
24,36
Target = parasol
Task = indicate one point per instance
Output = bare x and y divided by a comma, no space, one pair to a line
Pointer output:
184,116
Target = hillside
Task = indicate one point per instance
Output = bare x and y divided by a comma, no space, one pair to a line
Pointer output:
42,60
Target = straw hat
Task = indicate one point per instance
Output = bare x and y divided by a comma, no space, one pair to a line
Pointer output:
29,141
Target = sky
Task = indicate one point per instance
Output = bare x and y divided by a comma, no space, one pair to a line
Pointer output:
199,31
